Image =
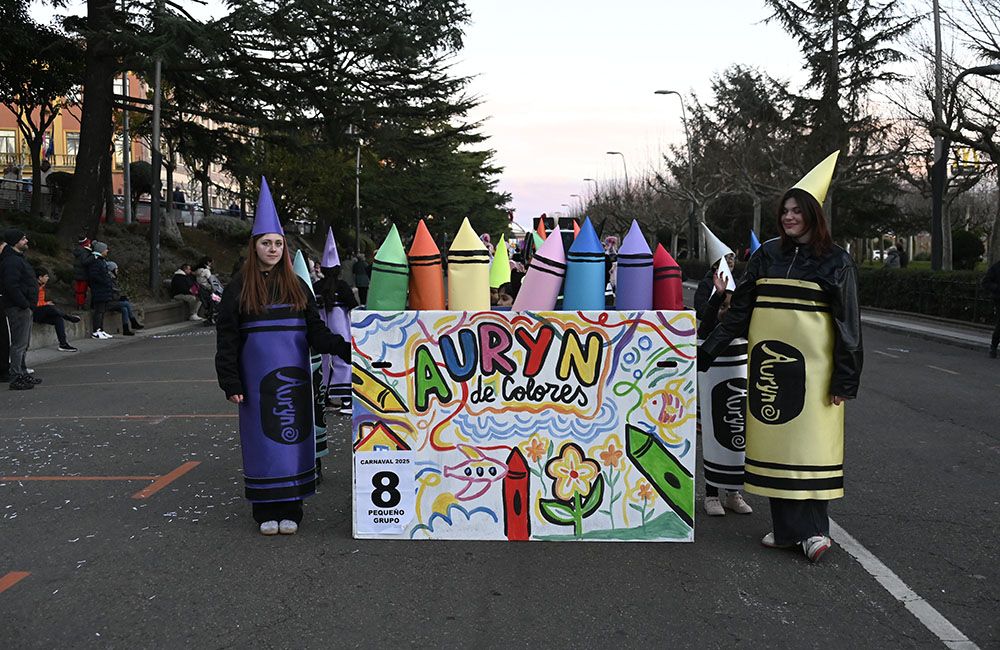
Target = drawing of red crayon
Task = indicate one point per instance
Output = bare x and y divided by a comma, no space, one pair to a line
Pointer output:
516,519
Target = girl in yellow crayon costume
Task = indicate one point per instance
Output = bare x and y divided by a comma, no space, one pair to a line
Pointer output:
798,306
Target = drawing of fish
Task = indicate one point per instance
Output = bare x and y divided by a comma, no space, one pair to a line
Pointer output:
479,472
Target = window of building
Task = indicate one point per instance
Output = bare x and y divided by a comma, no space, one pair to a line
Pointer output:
72,143
8,141
120,86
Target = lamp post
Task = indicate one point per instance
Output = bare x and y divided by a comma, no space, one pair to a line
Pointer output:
579,198
351,130
939,170
624,166
692,226
156,162
594,181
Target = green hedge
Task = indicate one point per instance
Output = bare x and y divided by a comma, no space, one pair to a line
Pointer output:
949,294
235,230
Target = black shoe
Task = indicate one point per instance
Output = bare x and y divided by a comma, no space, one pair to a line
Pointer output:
66,347
73,318
34,380
21,383
128,333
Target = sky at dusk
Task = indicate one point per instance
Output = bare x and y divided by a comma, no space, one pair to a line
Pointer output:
562,82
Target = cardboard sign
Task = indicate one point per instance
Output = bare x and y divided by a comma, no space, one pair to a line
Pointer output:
383,492
527,426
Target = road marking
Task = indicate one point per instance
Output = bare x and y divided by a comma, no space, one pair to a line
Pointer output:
11,579
127,383
166,480
77,478
932,619
181,416
950,372
886,354
132,363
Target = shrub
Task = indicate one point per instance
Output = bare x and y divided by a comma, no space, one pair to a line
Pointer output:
948,294
44,243
235,230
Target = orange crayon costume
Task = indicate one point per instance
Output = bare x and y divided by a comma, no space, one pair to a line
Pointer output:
426,272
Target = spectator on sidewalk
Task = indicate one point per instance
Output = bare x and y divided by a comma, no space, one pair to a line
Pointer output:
891,258
991,282
99,278
4,330
120,303
203,278
20,293
83,255
46,312
362,278
183,288
904,257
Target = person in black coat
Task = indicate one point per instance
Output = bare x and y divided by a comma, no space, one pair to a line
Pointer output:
4,330
991,282
101,288
19,287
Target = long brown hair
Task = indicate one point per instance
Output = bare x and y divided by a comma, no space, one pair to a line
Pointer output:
812,213
279,287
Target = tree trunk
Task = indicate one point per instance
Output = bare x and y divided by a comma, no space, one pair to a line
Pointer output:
757,203
206,207
83,205
168,223
946,239
109,188
35,147
674,240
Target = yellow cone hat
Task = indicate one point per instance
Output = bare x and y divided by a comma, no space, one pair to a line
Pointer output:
817,181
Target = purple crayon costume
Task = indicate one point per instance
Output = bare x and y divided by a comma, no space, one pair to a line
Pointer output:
336,301
265,358
635,272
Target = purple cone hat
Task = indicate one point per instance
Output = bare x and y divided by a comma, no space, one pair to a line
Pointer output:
265,220
331,257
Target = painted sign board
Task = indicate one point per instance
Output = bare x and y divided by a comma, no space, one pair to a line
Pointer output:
524,426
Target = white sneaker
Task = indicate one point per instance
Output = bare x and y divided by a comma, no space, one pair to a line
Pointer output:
734,501
196,318
713,506
288,527
104,335
95,335
269,528
816,546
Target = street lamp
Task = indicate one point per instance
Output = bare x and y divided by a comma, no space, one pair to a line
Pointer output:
594,181
939,171
692,226
618,153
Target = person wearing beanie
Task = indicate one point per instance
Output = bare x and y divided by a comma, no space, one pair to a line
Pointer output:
121,303
46,312
82,257
20,294
4,331
99,279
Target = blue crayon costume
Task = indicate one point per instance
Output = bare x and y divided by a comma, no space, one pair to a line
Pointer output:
265,358
584,286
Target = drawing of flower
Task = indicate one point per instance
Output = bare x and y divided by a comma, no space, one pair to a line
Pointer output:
644,492
611,456
572,474
535,449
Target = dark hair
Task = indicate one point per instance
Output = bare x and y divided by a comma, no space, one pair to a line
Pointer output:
203,261
281,286
40,271
812,213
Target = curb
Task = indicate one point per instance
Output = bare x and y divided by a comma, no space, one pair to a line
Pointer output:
38,358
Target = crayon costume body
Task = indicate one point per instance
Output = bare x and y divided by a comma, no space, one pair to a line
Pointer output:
266,358
800,313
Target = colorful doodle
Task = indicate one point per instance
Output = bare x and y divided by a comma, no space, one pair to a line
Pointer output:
525,426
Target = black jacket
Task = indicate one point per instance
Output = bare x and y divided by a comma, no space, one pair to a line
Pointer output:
991,281
229,341
82,257
181,283
99,279
706,304
18,283
838,278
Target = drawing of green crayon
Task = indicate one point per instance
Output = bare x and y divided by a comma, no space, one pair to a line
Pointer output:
671,480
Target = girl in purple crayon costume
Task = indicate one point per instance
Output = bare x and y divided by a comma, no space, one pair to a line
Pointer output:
337,300
267,322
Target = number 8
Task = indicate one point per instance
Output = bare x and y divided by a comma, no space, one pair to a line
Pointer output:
386,483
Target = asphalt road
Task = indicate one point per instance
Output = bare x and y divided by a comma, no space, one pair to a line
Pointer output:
184,566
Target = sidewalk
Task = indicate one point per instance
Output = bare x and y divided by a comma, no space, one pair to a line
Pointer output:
942,330
41,356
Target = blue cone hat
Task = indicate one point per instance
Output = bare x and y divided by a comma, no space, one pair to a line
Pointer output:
265,220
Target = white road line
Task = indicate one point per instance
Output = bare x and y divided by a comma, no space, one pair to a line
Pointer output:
950,372
932,619
886,354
